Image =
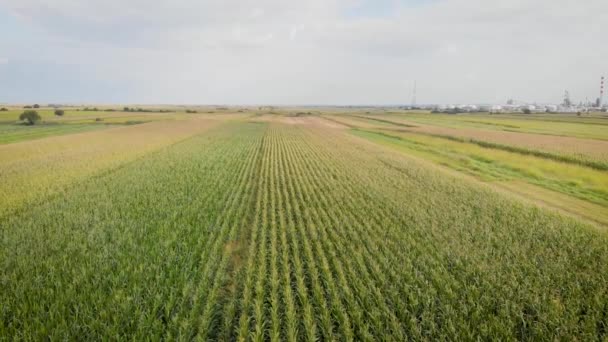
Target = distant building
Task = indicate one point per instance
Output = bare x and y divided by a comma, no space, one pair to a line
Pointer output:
551,108
496,109
469,108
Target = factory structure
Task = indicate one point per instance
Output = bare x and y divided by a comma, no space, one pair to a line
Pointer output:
512,106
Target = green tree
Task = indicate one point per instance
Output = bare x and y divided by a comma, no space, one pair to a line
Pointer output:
59,112
30,117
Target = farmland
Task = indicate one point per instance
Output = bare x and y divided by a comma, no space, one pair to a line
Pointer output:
553,169
326,226
74,121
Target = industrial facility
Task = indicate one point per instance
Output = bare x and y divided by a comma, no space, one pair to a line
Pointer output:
512,106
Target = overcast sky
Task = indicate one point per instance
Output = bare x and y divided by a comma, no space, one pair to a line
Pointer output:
301,52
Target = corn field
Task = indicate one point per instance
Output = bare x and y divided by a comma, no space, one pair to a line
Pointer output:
294,232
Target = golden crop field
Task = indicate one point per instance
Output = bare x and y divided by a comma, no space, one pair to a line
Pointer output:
38,168
251,225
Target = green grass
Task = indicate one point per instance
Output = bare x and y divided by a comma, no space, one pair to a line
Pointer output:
491,164
278,232
88,117
498,165
12,116
10,133
563,157
380,122
592,127
72,122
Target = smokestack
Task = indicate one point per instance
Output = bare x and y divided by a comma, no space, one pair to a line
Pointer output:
602,92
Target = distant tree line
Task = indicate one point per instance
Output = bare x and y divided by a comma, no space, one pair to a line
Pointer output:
95,109
127,109
451,111
143,110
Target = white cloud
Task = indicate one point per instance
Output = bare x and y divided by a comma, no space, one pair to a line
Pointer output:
278,51
257,12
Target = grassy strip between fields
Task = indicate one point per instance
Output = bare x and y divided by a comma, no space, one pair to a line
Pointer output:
576,127
489,164
12,133
392,123
16,133
595,164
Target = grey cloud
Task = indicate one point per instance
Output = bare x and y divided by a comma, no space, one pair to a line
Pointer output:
311,52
